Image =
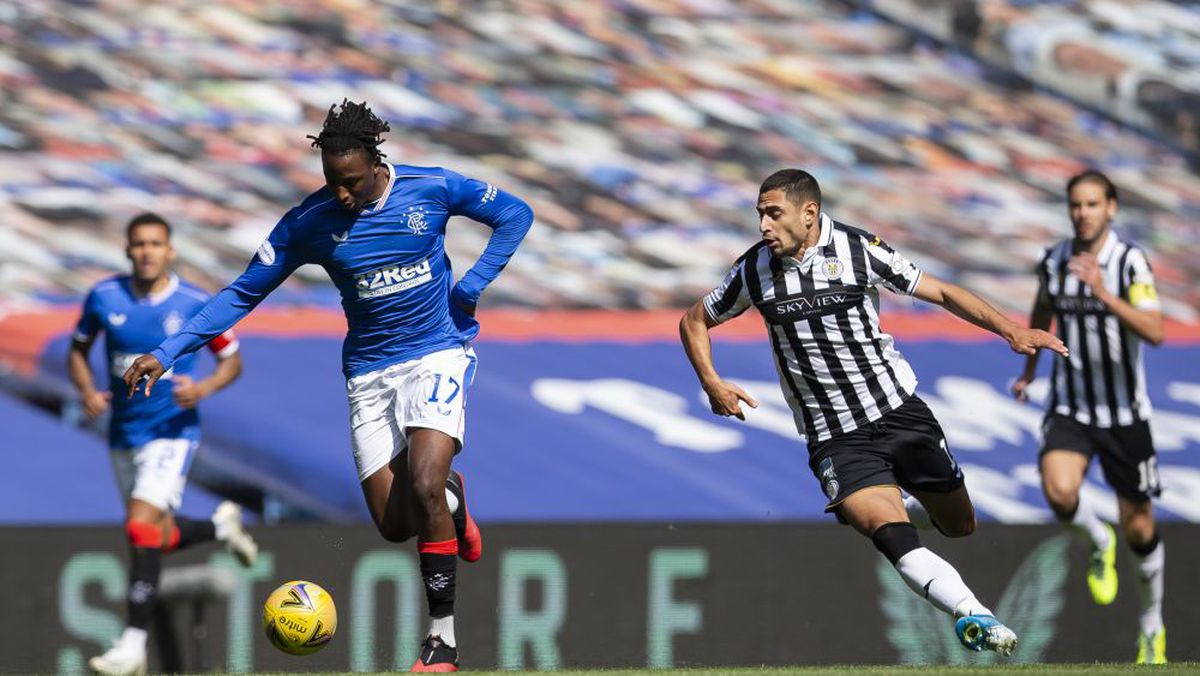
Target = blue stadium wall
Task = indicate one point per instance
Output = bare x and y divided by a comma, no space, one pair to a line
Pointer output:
571,429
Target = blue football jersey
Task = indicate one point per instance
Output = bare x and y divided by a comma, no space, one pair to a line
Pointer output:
388,261
134,325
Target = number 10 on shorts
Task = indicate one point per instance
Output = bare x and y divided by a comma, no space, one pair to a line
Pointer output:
1148,475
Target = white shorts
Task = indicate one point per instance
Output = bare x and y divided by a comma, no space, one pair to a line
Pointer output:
155,472
429,392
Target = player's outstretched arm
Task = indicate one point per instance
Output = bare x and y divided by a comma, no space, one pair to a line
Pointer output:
724,397
274,261
972,308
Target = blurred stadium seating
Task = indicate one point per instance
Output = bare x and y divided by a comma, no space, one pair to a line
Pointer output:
639,129
1135,60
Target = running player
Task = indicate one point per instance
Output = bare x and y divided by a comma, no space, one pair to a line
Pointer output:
1099,291
152,437
852,394
378,229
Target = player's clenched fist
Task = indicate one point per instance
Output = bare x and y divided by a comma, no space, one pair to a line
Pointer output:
146,366
725,399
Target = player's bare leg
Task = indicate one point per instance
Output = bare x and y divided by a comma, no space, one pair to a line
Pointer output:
951,513
879,514
1137,522
389,500
1062,477
409,497
430,453
387,493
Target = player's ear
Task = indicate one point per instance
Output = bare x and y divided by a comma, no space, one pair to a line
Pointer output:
812,211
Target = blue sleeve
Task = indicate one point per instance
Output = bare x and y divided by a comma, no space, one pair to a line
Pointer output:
508,216
272,263
89,320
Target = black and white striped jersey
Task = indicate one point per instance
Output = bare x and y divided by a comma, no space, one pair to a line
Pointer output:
838,371
1103,382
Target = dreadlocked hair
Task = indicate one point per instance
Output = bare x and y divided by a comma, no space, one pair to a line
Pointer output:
351,128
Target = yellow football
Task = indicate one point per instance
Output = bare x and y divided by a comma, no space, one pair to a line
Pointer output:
299,617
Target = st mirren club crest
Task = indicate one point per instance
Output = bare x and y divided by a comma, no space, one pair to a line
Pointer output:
832,267
416,220
172,323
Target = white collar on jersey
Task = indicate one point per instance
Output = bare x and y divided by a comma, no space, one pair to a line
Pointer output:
823,240
1106,249
386,191
154,298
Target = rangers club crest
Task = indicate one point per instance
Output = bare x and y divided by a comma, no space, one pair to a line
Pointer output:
172,323
416,220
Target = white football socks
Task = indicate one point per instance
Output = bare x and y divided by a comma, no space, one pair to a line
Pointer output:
917,514
1086,521
1150,588
221,529
932,577
133,638
443,627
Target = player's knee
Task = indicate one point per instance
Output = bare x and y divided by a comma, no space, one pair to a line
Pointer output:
143,534
430,492
896,539
1062,496
959,528
1138,528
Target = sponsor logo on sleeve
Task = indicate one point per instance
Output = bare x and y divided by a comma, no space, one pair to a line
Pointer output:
266,253
488,195
116,318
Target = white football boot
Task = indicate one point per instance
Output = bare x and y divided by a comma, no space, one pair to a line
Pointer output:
228,520
125,658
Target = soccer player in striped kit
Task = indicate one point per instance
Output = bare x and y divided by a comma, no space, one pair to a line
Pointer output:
379,230
1098,290
852,394
153,438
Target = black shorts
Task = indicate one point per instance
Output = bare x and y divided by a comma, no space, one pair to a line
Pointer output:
1126,452
905,448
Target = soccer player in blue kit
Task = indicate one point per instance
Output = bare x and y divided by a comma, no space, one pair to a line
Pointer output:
153,437
378,229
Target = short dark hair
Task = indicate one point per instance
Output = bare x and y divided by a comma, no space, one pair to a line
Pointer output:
797,184
1110,190
146,218
351,128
